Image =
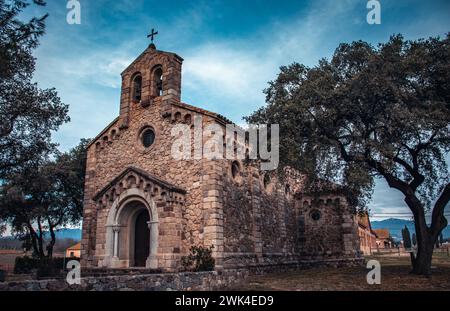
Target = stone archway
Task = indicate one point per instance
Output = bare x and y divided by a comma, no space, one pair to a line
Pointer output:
132,210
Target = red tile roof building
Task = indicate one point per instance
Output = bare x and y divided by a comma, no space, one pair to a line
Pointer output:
367,237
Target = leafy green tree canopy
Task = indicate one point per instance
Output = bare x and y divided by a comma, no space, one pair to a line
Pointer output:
371,112
45,197
28,114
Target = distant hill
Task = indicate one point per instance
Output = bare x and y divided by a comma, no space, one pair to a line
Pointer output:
396,225
74,234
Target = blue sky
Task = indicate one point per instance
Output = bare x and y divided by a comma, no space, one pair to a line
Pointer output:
231,50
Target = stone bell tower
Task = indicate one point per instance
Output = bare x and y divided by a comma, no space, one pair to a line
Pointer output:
155,75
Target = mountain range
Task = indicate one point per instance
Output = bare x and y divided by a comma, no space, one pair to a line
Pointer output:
66,233
396,225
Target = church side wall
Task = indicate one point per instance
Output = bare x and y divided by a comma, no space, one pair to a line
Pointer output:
259,223
263,224
327,228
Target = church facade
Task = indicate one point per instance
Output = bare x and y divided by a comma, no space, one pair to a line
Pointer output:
143,208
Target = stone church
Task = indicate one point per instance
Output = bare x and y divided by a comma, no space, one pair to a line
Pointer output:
143,208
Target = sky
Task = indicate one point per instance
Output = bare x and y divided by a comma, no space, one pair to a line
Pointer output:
231,49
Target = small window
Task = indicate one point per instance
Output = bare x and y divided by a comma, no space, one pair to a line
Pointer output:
266,180
287,189
177,116
137,88
187,119
148,138
315,215
72,254
235,169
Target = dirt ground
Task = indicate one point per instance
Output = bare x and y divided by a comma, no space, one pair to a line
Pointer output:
394,277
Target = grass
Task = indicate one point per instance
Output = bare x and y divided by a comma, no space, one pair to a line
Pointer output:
395,276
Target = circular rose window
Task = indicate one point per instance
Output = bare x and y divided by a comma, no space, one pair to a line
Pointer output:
148,137
315,215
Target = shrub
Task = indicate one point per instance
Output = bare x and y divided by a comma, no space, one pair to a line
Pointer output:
45,267
61,262
199,259
25,265
2,275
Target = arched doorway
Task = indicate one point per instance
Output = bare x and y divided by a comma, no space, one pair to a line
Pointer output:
133,236
132,232
141,239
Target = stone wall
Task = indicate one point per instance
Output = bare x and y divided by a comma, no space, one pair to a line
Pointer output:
327,228
269,223
201,281
188,281
259,220
118,147
117,152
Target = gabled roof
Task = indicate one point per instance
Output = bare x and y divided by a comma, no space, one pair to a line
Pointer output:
106,129
382,233
214,115
164,184
75,247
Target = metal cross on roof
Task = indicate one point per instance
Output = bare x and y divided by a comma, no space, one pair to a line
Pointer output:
152,34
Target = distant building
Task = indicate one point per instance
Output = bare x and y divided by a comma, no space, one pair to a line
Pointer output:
384,239
74,251
367,237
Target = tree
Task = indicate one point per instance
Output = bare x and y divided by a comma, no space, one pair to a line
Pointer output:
372,112
28,114
43,198
30,204
69,170
414,239
441,238
406,237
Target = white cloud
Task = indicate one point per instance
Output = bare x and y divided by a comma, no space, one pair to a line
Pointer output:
227,72
99,68
238,70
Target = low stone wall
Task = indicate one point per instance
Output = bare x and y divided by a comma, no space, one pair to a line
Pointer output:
284,263
186,281
305,264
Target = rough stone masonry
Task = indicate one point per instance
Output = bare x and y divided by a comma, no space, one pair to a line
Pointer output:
143,208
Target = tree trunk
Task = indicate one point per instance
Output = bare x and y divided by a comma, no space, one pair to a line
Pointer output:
421,263
52,241
40,239
34,242
40,253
